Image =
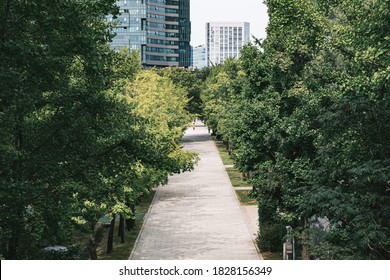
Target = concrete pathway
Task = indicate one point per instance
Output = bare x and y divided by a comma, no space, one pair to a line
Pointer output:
197,215
251,216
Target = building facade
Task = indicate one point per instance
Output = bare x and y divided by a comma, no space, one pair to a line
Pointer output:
225,40
198,57
159,29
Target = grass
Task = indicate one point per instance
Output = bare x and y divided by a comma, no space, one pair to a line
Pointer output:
243,197
223,153
236,178
122,250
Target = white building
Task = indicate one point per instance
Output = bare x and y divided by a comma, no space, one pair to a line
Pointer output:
198,57
225,39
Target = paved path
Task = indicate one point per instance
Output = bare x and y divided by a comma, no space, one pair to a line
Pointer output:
197,215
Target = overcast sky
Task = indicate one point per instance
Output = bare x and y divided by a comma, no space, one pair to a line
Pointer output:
202,11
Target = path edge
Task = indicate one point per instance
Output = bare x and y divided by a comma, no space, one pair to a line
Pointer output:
243,215
146,217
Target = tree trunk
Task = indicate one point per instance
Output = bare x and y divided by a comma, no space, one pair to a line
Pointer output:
227,147
110,240
120,225
305,240
12,245
130,222
121,229
92,247
92,243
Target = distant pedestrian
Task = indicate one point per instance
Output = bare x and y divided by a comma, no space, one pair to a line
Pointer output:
193,126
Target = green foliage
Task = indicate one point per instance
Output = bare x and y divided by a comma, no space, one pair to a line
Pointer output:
72,146
270,237
306,113
53,70
191,81
222,84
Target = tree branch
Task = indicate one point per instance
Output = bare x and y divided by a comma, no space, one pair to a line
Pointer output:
369,61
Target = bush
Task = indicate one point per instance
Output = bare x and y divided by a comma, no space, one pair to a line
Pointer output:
271,237
327,251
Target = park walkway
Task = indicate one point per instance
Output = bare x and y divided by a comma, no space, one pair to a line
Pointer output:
197,215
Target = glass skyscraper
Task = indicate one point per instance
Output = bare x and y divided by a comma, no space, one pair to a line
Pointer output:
198,57
224,40
159,29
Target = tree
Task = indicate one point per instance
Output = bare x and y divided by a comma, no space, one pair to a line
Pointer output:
191,81
42,55
353,158
308,120
157,100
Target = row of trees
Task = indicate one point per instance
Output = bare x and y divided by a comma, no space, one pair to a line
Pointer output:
84,132
306,114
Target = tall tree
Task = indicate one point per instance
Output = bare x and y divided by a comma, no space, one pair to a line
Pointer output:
191,81
309,121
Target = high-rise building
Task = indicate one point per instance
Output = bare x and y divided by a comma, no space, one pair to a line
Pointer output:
224,40
159,29
198,57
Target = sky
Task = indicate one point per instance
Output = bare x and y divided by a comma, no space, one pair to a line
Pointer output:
202,11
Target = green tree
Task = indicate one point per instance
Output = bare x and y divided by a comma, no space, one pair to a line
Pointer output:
353,157
163,106
191,81
54,63
307,118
